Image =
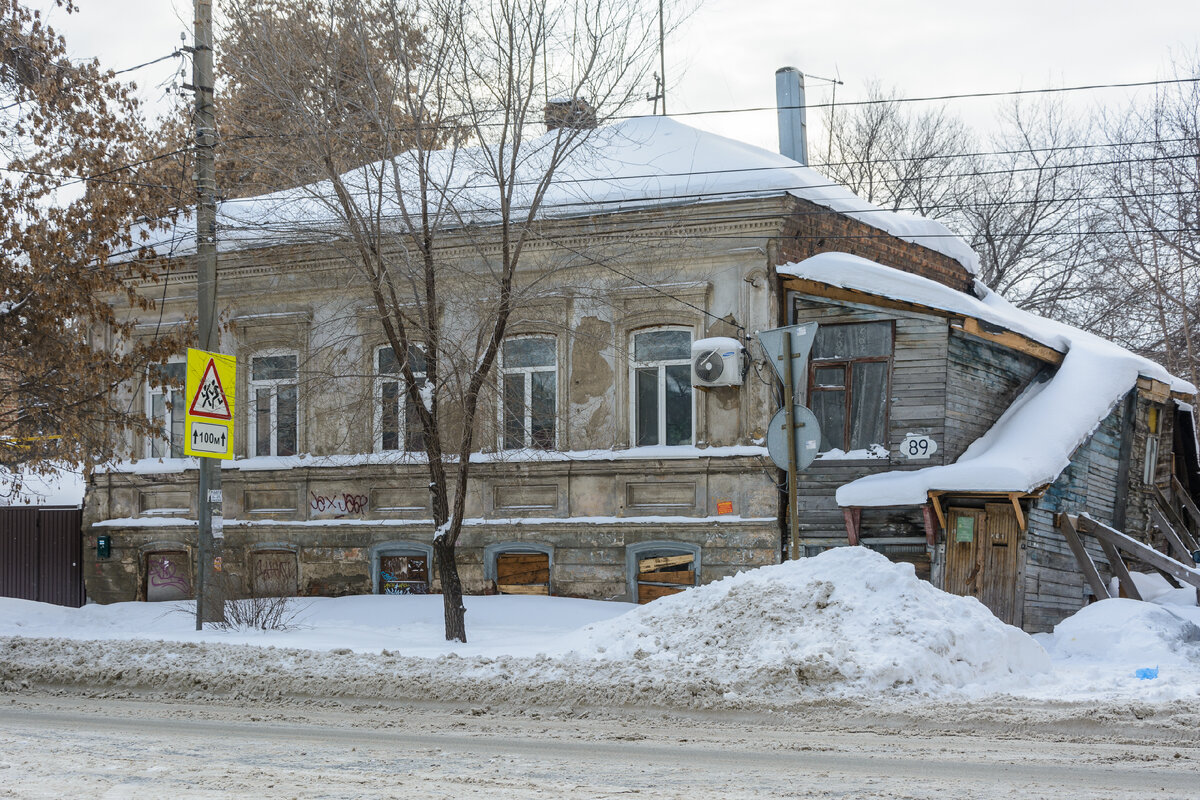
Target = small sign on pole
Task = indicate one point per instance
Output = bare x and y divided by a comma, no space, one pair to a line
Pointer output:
208,418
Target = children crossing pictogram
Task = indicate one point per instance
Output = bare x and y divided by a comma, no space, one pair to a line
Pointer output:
209,400
208,418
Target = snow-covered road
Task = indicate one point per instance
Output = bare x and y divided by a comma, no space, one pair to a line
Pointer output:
76,745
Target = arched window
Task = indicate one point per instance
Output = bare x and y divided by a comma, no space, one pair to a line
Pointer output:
528,388
519,567
657,569
661,386
274,571
401,568
397,426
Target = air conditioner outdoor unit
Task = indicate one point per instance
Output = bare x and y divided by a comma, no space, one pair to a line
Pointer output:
717,361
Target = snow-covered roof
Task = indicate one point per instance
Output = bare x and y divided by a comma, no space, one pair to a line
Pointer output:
1034,439
638,163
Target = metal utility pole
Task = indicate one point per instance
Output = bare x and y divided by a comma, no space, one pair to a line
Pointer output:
662,57
210,606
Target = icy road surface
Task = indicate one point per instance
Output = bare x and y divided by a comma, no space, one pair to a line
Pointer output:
74,745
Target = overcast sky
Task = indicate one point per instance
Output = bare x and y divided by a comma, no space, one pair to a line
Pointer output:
726,54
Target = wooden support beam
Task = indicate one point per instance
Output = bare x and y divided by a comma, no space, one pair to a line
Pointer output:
1015,498
1180,571
935,498
1154,391
1067,525
1120,570
931,524
853,518
971,325
1185,500
1172,536
1177,523
1013,341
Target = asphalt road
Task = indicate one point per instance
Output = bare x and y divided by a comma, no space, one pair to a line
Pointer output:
57,745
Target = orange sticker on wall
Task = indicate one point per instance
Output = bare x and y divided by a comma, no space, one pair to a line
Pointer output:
725,507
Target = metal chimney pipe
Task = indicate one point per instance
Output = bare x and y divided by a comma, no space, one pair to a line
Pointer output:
793,123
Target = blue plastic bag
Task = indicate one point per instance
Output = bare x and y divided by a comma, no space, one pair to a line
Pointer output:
1146,673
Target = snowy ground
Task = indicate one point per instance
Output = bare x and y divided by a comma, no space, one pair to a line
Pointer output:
845,624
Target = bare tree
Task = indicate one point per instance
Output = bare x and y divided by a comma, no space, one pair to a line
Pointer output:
898,158
70,201
1153,249
446,149
1026,207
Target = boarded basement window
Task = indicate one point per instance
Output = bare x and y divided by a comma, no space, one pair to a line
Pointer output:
168,576
523,573
404,574
664,571
273,573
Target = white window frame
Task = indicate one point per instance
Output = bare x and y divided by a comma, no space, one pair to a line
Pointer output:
527,373
174,397
635,365
401,401
274,384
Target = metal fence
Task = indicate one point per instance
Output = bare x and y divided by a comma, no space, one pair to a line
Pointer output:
41,554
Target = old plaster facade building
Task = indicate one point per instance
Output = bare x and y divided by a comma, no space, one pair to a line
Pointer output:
608,474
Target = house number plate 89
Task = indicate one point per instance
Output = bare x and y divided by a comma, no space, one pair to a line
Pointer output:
917,446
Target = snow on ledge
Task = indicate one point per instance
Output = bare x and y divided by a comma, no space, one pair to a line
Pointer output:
1034,439
150,466
168,522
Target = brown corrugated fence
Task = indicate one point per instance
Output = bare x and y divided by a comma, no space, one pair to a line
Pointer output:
41,554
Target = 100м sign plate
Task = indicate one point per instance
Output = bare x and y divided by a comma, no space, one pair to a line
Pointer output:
208,418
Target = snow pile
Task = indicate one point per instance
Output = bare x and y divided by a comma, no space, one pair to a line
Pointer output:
848,621
1129,632
1032,442
638,163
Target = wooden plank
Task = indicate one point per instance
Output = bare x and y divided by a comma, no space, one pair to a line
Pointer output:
522,558
1013,341
1185,499
525,588
651,564
1170,534
646,593
1067,525
1189,575
524,576
1120,570
1154,391
1014,498
684,577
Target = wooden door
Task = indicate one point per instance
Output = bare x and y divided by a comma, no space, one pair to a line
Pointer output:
982,547
963,564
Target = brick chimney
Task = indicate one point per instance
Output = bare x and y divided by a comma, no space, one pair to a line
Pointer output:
574,113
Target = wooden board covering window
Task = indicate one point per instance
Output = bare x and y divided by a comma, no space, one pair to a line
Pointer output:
985,566
523,573
659,576
168,576
273,573
408,574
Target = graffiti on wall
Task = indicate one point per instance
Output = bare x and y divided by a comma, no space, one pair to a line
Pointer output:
337,504
168,576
